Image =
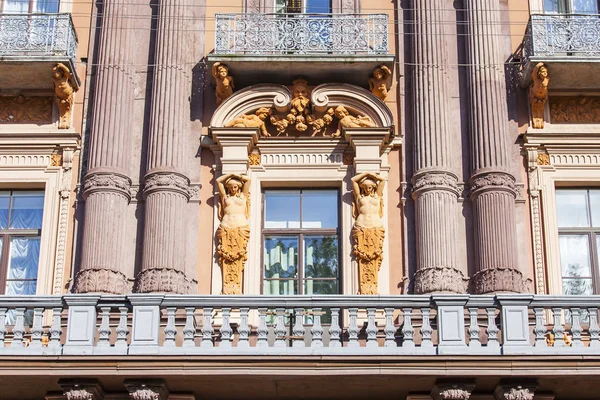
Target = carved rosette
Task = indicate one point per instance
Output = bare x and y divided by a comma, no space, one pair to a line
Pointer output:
171,182
440,279
499,280
99,280
493,181
434,180
107,182
164,280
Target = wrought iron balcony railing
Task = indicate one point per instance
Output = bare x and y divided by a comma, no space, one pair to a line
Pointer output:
37,35
317,325
563,36
273,34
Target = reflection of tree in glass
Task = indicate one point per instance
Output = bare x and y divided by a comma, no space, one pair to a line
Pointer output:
324,257
575,286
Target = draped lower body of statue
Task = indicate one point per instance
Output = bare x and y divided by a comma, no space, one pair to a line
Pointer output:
368,252
232,251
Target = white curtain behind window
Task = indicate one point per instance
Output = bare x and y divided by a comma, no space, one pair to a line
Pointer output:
16,6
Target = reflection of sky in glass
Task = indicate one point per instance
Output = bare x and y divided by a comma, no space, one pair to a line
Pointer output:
595,206
319,209
584,6
575,256
572,208
282,209
318,6
27,209
4,204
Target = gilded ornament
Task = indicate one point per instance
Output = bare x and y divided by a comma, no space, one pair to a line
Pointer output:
379,83
575,110
56,160
543,159
368,232
63,92
256,120
224,82
538,94
234,231
254,159
21,109
348,121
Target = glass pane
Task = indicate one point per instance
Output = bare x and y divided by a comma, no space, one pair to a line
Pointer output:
4,204
595,206
318,6
27,210
321,256
280,287
575,256
16,7
281,257
584,6
313,286
23,265
282,209
577,286
572,208
280,6
46,6
319,209
551,6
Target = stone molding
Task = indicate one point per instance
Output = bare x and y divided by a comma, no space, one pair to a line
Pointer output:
440,279
492,181
164,280
100,280
147,389
499,280
446,390
435,180
167,181
103,181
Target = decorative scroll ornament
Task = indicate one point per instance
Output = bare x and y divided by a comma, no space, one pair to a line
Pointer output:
167,181
224,82
21,109
63,91
106,181
254,159
56,160
368,232
575,110
234,231
538,94
543,159
379,83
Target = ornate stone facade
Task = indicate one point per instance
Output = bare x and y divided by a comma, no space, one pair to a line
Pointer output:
575,109
25,110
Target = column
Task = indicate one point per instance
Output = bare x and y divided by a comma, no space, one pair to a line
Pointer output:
166,188
493,190
106,187
435,188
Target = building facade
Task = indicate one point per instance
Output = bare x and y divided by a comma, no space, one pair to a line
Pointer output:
300,199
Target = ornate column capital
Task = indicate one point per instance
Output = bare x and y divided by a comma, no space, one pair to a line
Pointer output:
147,389
81,389
499,280
452,390
169,181
492,181
100,181
434,180
508,390
440,279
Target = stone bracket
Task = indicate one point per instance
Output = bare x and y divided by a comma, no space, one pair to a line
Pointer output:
367,144
235,144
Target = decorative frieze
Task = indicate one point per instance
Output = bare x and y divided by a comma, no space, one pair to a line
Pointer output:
101,280
438,180
499,280
440,279
147,389
493,181
164,280
515,391
107,182
81,389
170,181
25,110
575,109
447,390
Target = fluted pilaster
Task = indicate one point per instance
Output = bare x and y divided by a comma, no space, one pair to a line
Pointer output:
435,187
107,184
492,187
166,189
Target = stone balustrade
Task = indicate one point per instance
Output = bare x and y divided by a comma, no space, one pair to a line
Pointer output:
295,325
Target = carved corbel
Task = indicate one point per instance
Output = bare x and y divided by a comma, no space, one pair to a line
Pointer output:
448,390
380,82
63,93
81,389
147,389
515,390
538,94
224,82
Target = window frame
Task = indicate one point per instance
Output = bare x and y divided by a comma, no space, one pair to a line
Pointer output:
288,9
30,9
300,233
565,7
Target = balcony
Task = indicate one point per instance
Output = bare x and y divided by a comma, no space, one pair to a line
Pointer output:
31,45
569,44
317,46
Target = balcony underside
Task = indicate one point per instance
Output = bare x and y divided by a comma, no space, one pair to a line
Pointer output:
32,72
567,73
282,69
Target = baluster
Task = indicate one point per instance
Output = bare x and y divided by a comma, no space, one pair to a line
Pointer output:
19,328
408,332
226,331
36,329
317,329
189,330
474,329
353,328
540,329
121,329
426,330
207,329
576,328
262,331
371,328
170,329
244,329
492,329
55,329
104,328
390,329
594,328
558,330
280,328
3,330
298,329
334,330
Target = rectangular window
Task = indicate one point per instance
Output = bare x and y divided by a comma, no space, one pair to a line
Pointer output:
21,214
571,6
579,240
29,6
303,6
300,242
